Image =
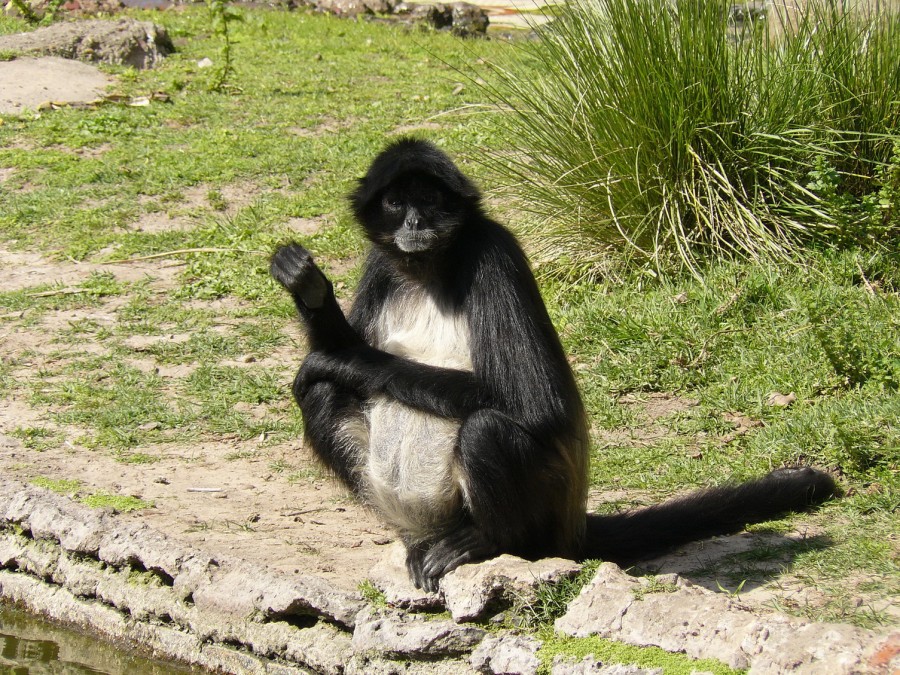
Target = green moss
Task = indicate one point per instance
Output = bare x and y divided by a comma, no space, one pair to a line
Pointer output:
60,486
121,503
608,652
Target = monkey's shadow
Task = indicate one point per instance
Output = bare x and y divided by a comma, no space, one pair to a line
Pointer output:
736,563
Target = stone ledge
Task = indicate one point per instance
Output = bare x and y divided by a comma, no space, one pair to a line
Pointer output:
677,616
134,585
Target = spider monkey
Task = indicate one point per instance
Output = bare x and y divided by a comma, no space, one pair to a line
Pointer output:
446,402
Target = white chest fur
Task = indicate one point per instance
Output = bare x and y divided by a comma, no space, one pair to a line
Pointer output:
410,468
416,328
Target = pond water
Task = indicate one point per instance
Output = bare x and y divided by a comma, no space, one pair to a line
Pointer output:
29,646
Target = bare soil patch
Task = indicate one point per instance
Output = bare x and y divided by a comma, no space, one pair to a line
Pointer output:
21,269
29,83
231,497
221,496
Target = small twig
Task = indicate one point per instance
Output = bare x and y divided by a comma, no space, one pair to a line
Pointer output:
205,490
865,281
290,514
59,291
181,251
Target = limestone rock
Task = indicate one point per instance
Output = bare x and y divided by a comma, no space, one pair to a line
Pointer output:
462,18
45,515
703,624
370,664
125,41
381,6
81,8
437,15
10,551
142,547
468,19
352,8
473,591
591,666
246,592
412,636
507,655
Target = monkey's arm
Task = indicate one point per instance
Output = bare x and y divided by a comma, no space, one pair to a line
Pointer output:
444,392
292,266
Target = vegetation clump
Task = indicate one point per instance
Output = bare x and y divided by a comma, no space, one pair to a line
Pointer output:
670,128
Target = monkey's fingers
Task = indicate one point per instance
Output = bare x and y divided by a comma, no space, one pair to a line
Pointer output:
293,267
465,545
415,558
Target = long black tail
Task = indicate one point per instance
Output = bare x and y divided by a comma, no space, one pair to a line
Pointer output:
628,537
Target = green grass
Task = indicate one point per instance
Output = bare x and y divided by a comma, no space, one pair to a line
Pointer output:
828,333
371,594
232,167
201,352
61,486
38,438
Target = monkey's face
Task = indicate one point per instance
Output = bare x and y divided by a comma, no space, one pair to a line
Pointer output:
416,214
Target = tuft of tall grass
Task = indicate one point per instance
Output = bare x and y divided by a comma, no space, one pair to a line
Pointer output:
665,127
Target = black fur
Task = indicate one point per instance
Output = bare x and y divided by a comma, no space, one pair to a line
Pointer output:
520,458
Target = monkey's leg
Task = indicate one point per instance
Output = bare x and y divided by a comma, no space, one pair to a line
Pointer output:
335,428
505,489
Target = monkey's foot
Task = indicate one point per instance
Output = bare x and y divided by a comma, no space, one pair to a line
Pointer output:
428,563
292,266
415,559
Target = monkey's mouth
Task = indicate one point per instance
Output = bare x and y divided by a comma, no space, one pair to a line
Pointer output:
415,241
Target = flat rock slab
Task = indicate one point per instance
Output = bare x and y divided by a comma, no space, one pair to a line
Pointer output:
473,592
27,83
125,41
401,635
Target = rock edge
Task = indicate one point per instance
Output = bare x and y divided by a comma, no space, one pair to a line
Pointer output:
132,584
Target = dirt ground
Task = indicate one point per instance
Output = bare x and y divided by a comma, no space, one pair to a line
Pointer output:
235,506
29,83
229,507
224,495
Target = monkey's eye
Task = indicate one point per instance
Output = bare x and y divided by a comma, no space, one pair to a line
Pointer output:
392,202
431,197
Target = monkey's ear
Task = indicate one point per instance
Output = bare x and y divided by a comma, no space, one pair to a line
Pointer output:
360,197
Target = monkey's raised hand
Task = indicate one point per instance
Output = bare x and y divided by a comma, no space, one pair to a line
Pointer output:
292,266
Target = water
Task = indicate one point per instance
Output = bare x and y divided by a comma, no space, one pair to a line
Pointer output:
29,646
